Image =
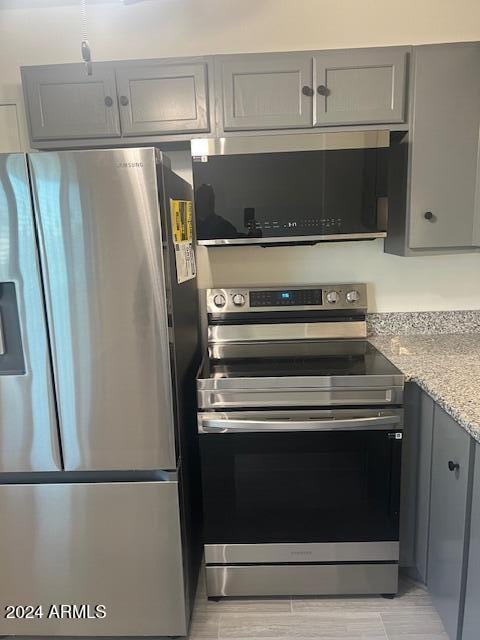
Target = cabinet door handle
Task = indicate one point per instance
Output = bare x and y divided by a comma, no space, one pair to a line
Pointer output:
322,90
123,101
307,91
428,215
108,101
453,466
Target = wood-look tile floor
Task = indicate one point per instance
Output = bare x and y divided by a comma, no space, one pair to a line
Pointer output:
409,616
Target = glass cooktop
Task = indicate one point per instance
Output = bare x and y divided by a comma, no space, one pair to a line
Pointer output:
308,358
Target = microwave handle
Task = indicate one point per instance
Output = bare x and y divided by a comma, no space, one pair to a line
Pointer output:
219,425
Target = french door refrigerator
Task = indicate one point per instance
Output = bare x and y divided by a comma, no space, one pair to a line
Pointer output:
98,354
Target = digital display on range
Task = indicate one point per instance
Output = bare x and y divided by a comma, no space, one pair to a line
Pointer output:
285,298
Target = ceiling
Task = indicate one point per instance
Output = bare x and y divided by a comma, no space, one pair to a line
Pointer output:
39,4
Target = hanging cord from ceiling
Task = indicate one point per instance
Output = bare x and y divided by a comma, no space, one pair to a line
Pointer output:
86,52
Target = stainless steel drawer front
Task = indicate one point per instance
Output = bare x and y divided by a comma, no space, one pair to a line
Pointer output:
302,552
283,397
294,331
302,580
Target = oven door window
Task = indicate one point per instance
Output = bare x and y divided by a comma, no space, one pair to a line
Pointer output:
301,487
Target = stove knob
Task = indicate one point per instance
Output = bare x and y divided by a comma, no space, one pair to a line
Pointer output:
332,297
353,296
219,300
238,300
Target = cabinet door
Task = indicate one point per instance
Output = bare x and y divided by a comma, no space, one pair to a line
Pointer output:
471,622
425,436
448,514
444,148
408,494
267,91
65,103
360,86
163,98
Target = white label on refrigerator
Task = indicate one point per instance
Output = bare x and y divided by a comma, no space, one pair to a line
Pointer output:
185,259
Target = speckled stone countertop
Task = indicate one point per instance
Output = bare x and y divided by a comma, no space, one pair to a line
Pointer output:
446,366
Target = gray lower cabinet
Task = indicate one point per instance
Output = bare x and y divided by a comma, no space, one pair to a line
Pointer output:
424,423
162,98
266,91
471,621
436,207
64,103
408,493
449,513
361,86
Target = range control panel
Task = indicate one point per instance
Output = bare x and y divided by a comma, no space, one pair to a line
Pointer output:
286,298
321,297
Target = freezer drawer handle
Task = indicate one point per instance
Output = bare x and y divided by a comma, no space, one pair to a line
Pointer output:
214,425
2,340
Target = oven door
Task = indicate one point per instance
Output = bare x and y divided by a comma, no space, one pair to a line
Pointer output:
328,476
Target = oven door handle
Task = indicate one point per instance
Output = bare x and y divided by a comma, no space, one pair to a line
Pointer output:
221,425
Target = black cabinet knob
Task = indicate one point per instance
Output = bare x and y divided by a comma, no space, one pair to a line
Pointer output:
123,101
108,101
453,466
307,91
322,90
428,215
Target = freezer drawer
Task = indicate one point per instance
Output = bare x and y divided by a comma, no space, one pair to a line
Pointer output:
112,544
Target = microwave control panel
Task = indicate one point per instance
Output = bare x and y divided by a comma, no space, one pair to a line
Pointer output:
300,226
324,297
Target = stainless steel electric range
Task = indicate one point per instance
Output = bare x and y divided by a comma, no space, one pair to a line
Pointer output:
300,422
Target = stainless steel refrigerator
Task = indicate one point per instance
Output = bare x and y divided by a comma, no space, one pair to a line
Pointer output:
99,489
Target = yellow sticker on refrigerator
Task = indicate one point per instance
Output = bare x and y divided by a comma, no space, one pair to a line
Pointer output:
181,211
182,232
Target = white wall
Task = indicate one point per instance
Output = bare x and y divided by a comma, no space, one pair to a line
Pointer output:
35,33
395,283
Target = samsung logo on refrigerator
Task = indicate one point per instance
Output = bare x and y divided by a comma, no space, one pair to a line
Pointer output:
130,165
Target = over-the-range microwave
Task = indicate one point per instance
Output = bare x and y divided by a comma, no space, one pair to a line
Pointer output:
292,188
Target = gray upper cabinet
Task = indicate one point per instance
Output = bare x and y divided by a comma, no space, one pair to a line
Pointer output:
441,149
162,98
449,510
63,102
445,145
471,621
266,91
360,86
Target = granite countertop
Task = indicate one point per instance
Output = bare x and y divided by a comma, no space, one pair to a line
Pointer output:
446,366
